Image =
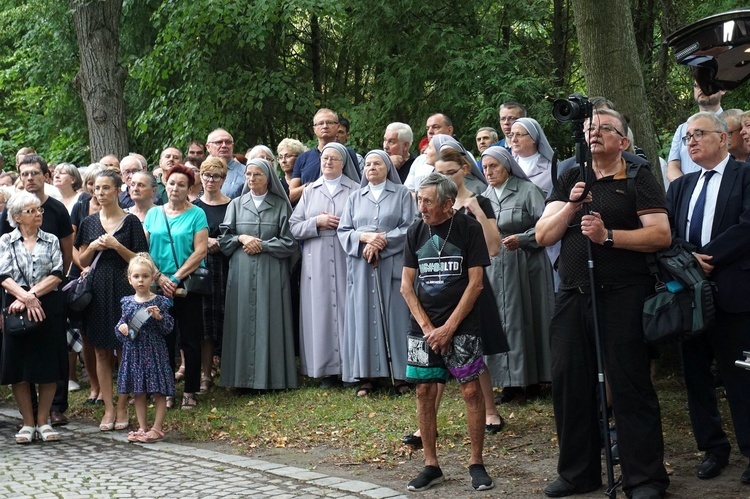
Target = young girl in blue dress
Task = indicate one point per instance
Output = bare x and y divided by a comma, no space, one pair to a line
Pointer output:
145,367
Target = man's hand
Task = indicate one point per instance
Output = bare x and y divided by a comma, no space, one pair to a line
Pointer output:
439,339
704,261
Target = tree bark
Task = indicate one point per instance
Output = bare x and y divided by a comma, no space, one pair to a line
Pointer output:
101,80
612,67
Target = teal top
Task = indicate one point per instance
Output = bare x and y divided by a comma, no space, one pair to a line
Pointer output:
183,227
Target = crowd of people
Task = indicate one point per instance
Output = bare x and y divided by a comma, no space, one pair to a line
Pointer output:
394,269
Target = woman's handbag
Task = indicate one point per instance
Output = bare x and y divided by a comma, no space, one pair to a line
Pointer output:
199,281
80,292
17,323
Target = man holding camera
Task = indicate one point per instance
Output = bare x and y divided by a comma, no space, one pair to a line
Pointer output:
621,228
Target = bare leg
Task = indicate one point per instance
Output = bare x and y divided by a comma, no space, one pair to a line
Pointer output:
122,407
89,361
160,406
438,398
491,416
427,415
140,411
72,363
22,394
104,360
207,353
46,394
472,394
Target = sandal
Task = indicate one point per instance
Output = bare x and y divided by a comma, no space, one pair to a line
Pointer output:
180,374
188,403
47,434
400,389
25,435
205,384
134,436
122,425
151,436
365,389
170,402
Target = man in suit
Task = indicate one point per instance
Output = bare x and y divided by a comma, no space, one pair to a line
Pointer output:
709,213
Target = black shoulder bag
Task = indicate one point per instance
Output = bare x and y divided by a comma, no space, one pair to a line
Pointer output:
18,323
199,281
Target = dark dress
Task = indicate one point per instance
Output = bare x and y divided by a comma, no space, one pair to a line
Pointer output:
145,364
493,336
109,279
218,265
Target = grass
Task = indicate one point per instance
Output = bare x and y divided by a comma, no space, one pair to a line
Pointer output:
368,430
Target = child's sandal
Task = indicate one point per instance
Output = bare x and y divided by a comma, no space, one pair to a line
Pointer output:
151,436
134,436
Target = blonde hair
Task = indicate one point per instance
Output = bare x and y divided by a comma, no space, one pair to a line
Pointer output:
142,259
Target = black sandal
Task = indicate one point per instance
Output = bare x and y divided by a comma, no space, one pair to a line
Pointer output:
400,389
365,389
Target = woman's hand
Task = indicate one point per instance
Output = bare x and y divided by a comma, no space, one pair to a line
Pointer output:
35,309
251,245
370,253
327,221
511,243
376,239
155,312
107,241
166,285
213,245
123,329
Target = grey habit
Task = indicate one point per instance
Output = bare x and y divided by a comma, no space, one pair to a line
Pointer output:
364,354
258,347
521,280
323,278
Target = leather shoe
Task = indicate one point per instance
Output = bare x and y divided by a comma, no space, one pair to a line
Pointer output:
57,418
746,475
646,492
561,488
711,466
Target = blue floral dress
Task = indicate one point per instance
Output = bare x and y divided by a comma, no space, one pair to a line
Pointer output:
145,364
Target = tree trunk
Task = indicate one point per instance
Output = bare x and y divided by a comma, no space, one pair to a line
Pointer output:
101,80
315,56
612,68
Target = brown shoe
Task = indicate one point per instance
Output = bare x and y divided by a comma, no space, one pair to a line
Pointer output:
57,418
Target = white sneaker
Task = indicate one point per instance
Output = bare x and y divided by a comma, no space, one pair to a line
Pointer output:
73,386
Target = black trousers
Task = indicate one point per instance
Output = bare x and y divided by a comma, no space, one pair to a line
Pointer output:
725,342
574,385
188,314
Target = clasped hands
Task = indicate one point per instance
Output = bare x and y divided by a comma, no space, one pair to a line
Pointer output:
251,245
375,242
31,303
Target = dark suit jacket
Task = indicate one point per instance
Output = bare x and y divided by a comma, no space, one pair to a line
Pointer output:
730,236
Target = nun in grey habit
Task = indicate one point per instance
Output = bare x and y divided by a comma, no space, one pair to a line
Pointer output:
373,229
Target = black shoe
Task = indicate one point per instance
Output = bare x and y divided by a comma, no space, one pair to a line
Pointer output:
430,475
57,418
492,429
480,480
413,440
711,466
329,382
561,488
509,394
745,478
615,454
646,492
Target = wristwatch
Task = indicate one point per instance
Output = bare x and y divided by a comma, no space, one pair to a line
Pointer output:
609,242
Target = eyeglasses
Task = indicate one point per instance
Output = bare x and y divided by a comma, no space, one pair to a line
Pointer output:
331,159
225,142
32,173
282,157
31,211
604,129
508,119
130,172
211,178
697,135
730,132
517,135
326,123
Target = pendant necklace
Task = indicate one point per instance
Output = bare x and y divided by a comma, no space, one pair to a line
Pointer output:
440,250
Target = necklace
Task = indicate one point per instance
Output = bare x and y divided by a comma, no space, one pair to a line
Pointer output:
440,250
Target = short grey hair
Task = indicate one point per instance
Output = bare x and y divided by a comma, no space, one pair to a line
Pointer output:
493,132
405,133
72,170
253,153
611,112
445,187
19,201
293,145
717,120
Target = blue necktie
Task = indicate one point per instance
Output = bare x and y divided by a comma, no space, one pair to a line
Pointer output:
696,222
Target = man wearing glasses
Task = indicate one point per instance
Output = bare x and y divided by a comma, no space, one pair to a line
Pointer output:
738,148
508,113
221,145
307,167
621,229
679,162
33,169
709,211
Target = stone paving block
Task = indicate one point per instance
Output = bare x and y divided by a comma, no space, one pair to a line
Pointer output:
383,493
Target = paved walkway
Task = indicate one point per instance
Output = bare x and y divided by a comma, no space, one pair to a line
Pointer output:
90,463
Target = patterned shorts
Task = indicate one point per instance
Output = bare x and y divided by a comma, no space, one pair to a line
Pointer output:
464,360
